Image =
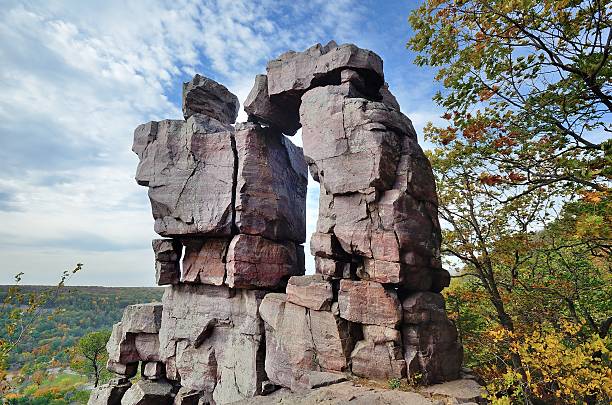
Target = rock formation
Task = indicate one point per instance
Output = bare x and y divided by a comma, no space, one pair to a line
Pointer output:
239,318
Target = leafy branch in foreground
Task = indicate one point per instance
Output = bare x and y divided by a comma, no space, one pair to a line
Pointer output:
526,86
21,311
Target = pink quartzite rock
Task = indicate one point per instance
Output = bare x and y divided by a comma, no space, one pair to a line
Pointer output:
181,162
261,109
332,268
312,292
146,392
204,260
351,150
295,72
167,256
226,360
205,96
125,370
142,318
109,394
381,361
271,185
153,370
381,334
256,262
326,245
430,339
369,303
300,340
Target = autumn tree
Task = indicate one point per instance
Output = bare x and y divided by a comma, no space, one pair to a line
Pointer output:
523,173
89,355
526,84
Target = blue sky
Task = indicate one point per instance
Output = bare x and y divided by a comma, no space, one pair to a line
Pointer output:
76,77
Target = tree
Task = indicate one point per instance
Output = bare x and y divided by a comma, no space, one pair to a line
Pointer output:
526,85
21,312
90,355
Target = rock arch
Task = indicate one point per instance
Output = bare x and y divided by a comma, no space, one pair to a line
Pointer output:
240,316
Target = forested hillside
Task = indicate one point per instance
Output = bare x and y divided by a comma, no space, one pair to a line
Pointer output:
75,312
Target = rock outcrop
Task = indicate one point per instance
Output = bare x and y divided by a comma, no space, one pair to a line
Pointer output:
238,318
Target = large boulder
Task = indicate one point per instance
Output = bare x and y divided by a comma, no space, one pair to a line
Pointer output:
312,292
378,361
261,109
211,340
135,338
204,260
202,95
167,261
147,392
257,262
300,340
109,394
354,142
189,169
271,185
430,339
295,72
368,302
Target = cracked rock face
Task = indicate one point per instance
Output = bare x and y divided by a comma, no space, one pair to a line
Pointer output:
271,188
300,340
228,360
204,96
430,338
180,162
256,262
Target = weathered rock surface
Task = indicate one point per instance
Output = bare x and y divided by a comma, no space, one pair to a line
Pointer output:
153,370
233,199
180,162
204,96
381,361
271,185
312,292
261,109
430,340
256,262
227,361
342,394
348,140
300,340
463,390
135,338
142,318
146,392
109,394
167,257
368,302
128,370
295,72
204,260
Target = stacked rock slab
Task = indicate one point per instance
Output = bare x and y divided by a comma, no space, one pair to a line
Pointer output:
377,240
238,317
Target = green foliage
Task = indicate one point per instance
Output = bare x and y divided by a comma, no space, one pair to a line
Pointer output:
76,312
89,356
526,86
20,313
51,390
394,383
523,174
